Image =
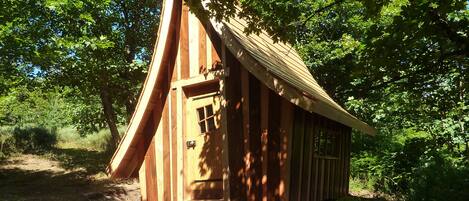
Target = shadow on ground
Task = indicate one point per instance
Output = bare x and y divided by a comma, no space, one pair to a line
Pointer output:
92,162
62,175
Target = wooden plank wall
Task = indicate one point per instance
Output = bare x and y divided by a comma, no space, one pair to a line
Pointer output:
314,177
200,47
259,124
198,53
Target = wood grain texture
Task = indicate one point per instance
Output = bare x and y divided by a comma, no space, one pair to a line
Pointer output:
272,61
255,173
203,68
151,174
162,63
184,43
318,177
224,130
286,125
274,145
248,160
236,129
166,163
265,99
142,180
193,45
174,144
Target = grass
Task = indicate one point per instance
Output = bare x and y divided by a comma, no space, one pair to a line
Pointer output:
357,186
68,137
356,198
362,191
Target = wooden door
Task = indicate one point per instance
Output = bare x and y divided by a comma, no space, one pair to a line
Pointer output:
204,168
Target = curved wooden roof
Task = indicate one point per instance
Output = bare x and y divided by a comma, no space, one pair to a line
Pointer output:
280,67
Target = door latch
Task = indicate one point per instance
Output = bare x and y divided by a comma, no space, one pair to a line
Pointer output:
190,144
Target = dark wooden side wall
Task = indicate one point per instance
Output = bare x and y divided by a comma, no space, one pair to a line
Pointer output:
316,176
259,124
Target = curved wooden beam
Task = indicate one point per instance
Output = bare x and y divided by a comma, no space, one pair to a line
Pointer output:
130,152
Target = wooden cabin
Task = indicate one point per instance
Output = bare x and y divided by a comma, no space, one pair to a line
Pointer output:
228,116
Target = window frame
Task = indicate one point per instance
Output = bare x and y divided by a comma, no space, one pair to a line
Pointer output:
208,121
326,144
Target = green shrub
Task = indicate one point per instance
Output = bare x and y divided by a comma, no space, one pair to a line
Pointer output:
7,142
32,139
440,177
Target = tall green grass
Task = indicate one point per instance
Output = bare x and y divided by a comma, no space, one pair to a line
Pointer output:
33,138
69,137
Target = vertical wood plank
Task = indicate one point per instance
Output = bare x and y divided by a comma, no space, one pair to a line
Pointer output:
152,176
224,130
316,180
180,144
203,68
286,124
208,49
235,129
321,180
264,137
309,158
341,168
213,48
215,58
174,75
184,122
166,152
274,147
142,180
347,169
150,160
184,43
174,144
193,45
255,138
327,174
299,142
158,153
246,127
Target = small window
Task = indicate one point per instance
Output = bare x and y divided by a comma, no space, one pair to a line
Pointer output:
325,144
206,119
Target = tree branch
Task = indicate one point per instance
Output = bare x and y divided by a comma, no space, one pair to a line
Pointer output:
321,10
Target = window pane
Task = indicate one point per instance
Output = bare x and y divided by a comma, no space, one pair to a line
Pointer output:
203,129
201,113
329,145
322,144
211,124
209,110
333,145
316,142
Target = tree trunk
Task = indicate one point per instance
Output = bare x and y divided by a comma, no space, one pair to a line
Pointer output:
129,108
110,116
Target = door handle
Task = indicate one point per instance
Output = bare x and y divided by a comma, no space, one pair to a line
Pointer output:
190,144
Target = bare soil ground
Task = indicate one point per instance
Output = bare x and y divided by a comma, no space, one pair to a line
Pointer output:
64,175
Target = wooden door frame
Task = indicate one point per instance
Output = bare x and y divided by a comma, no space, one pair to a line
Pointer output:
212,81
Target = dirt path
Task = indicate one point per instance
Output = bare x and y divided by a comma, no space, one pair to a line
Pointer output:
33,177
